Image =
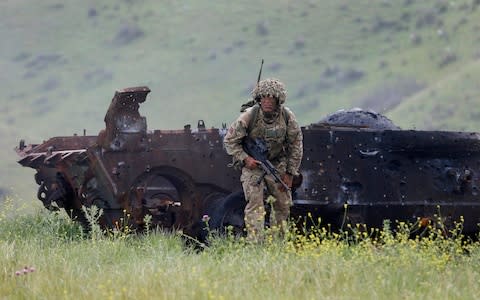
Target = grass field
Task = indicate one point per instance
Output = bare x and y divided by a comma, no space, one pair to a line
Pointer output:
46,256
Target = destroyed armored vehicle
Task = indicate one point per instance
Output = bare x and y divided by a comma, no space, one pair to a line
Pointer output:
357,167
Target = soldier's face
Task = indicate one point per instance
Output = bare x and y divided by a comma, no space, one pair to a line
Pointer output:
268,104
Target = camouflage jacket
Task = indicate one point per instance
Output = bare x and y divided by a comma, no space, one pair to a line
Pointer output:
282,134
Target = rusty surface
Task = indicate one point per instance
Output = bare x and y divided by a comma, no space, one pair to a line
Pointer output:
176,176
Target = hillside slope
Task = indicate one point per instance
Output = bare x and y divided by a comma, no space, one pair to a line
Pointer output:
442,105
62,61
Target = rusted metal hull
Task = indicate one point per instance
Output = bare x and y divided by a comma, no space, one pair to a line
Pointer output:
176,176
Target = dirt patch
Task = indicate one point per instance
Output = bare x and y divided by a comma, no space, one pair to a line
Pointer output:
127,34
3,194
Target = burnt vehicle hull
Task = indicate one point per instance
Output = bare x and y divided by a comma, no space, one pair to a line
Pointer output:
351,174
391,174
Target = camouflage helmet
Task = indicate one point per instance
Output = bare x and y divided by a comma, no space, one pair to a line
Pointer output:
270,87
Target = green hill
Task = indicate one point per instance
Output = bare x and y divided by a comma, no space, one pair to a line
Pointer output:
62,61
442,105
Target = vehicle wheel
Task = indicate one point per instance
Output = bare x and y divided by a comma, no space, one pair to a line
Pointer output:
167,195
226,216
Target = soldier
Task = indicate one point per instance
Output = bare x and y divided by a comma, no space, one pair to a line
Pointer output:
271,121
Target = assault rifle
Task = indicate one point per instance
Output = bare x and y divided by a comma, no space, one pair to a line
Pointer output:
257,149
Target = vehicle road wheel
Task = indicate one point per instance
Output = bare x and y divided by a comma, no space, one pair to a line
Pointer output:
227,216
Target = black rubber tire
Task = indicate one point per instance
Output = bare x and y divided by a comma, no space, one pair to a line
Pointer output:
229,211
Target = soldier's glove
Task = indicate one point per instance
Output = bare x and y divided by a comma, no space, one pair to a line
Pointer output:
287,179
251,163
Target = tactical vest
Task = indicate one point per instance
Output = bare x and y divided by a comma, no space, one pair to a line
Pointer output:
274,134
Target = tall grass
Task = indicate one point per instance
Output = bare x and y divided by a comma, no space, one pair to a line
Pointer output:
67,263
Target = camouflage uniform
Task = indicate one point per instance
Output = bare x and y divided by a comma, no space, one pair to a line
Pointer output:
284,139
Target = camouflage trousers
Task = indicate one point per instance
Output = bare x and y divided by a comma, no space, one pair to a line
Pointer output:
255,209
